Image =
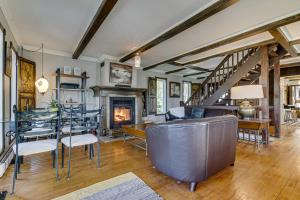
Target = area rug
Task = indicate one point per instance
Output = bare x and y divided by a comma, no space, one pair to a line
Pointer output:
125,187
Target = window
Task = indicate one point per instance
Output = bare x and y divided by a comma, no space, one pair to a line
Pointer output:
14,76
2,136
187,90
161,94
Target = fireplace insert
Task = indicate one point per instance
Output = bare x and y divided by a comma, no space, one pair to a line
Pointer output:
122,111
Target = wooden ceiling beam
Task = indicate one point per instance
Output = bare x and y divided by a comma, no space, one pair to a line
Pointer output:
280,38
257,44
234,38
194,74
176,70
201,16
294,42
101,14
296,64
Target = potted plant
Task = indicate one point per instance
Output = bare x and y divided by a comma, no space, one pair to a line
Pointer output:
53,106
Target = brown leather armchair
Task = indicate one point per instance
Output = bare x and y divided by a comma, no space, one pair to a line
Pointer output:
193,150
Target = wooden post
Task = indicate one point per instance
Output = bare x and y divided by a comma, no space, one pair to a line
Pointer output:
277,103
264,81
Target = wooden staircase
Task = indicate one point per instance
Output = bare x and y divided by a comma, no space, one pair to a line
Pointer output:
239,68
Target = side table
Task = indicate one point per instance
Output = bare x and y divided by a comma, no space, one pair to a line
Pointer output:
258,126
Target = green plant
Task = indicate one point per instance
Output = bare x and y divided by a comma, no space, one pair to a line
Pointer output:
53,104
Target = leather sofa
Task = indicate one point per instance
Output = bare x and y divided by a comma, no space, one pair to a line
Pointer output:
193,150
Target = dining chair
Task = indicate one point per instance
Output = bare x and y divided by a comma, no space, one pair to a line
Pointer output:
79,131
28,125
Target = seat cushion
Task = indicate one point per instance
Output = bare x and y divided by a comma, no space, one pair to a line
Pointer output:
34,147
75,129
79,140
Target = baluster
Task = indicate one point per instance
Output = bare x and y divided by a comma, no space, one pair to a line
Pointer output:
237,60
243,56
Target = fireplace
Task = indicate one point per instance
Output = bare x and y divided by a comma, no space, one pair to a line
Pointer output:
122,111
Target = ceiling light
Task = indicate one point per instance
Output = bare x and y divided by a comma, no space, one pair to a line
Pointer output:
137,61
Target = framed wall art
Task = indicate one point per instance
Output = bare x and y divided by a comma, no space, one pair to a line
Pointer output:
174,89
120,74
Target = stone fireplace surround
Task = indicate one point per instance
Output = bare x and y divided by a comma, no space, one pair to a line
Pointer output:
104,93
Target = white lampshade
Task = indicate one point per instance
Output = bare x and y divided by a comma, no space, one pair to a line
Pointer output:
42,85
137,61
247,92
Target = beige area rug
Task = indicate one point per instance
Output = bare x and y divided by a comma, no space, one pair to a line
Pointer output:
126,187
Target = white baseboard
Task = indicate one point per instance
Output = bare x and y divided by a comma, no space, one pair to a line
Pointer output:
5,163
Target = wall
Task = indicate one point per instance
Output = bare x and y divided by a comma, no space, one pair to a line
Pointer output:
140,80
171,102
51,63
7,155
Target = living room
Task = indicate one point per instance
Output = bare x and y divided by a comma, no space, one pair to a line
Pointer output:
108,99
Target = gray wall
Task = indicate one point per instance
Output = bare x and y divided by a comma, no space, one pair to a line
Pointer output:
171,101
51,63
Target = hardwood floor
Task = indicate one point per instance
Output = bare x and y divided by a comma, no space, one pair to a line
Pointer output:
272,172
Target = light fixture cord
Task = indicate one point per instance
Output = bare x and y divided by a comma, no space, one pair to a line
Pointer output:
42,60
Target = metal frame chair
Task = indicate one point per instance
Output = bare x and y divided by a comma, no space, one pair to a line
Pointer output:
27,125
81,120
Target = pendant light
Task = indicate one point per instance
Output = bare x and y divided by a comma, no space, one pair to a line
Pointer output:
42,84
137,61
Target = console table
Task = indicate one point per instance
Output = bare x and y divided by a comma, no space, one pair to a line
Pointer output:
258,126
138,131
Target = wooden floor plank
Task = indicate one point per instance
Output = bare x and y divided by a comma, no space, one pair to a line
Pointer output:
271,172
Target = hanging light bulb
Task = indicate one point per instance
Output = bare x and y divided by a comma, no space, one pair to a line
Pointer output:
42,84
137,61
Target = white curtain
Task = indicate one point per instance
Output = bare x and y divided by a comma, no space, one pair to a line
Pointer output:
2,91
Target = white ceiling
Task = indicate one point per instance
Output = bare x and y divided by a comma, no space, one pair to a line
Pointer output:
60,24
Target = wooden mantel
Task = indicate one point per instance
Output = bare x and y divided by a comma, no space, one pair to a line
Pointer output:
96,89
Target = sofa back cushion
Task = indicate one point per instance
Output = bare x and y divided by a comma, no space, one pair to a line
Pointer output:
197,112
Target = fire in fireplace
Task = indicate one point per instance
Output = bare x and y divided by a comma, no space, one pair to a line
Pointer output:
122,114
122,111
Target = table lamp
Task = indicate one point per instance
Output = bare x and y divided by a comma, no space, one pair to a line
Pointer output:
245,92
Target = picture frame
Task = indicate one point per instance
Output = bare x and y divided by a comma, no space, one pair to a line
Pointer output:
120,74
174,89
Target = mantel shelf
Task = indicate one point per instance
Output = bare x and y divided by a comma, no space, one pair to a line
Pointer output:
66,89
71,76
98,88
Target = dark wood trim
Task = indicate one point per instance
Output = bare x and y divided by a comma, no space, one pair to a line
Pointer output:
267,42
264,81
201,16
199,78
296,64
276,98
166,79
176,63
294,42
280,38
291,71
194,74
199,69
101,14
231,39
176,70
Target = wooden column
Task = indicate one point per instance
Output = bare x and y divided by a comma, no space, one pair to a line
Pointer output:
264,81
277,103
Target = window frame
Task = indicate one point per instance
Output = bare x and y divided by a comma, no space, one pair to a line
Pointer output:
2,89
166,95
